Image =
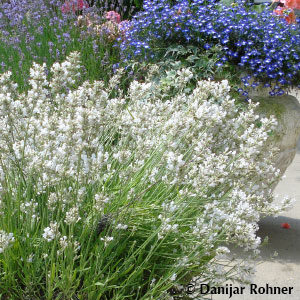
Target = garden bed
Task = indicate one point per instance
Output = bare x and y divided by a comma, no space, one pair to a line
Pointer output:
131,155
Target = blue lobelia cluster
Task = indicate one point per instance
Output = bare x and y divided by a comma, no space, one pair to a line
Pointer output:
261,44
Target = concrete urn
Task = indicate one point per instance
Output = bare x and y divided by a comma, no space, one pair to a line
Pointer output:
286,109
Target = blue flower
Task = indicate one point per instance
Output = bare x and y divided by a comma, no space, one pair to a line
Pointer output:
264,45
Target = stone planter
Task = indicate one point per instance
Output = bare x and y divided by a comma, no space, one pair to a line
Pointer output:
287,111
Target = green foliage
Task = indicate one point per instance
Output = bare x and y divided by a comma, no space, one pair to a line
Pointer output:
201,63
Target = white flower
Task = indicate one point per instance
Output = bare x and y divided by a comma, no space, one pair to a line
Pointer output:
52,201
173,277
100,201
51,232
30,258
72,216
222,252
107,240
63,241
122,226
5,240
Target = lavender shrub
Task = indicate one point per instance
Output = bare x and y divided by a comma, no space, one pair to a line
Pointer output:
112,196
46,31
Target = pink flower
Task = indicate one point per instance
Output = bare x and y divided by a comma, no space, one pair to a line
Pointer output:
113,16
294,4
108,30
73,5
286,13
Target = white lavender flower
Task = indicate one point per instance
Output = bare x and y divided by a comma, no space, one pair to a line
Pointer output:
72,216
6,239
51,232
107,240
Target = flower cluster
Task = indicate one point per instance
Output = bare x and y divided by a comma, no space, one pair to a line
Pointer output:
113,16
292,4
286,13
259,43
73,6
65,243
286,8
111,30
5,240
51,232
